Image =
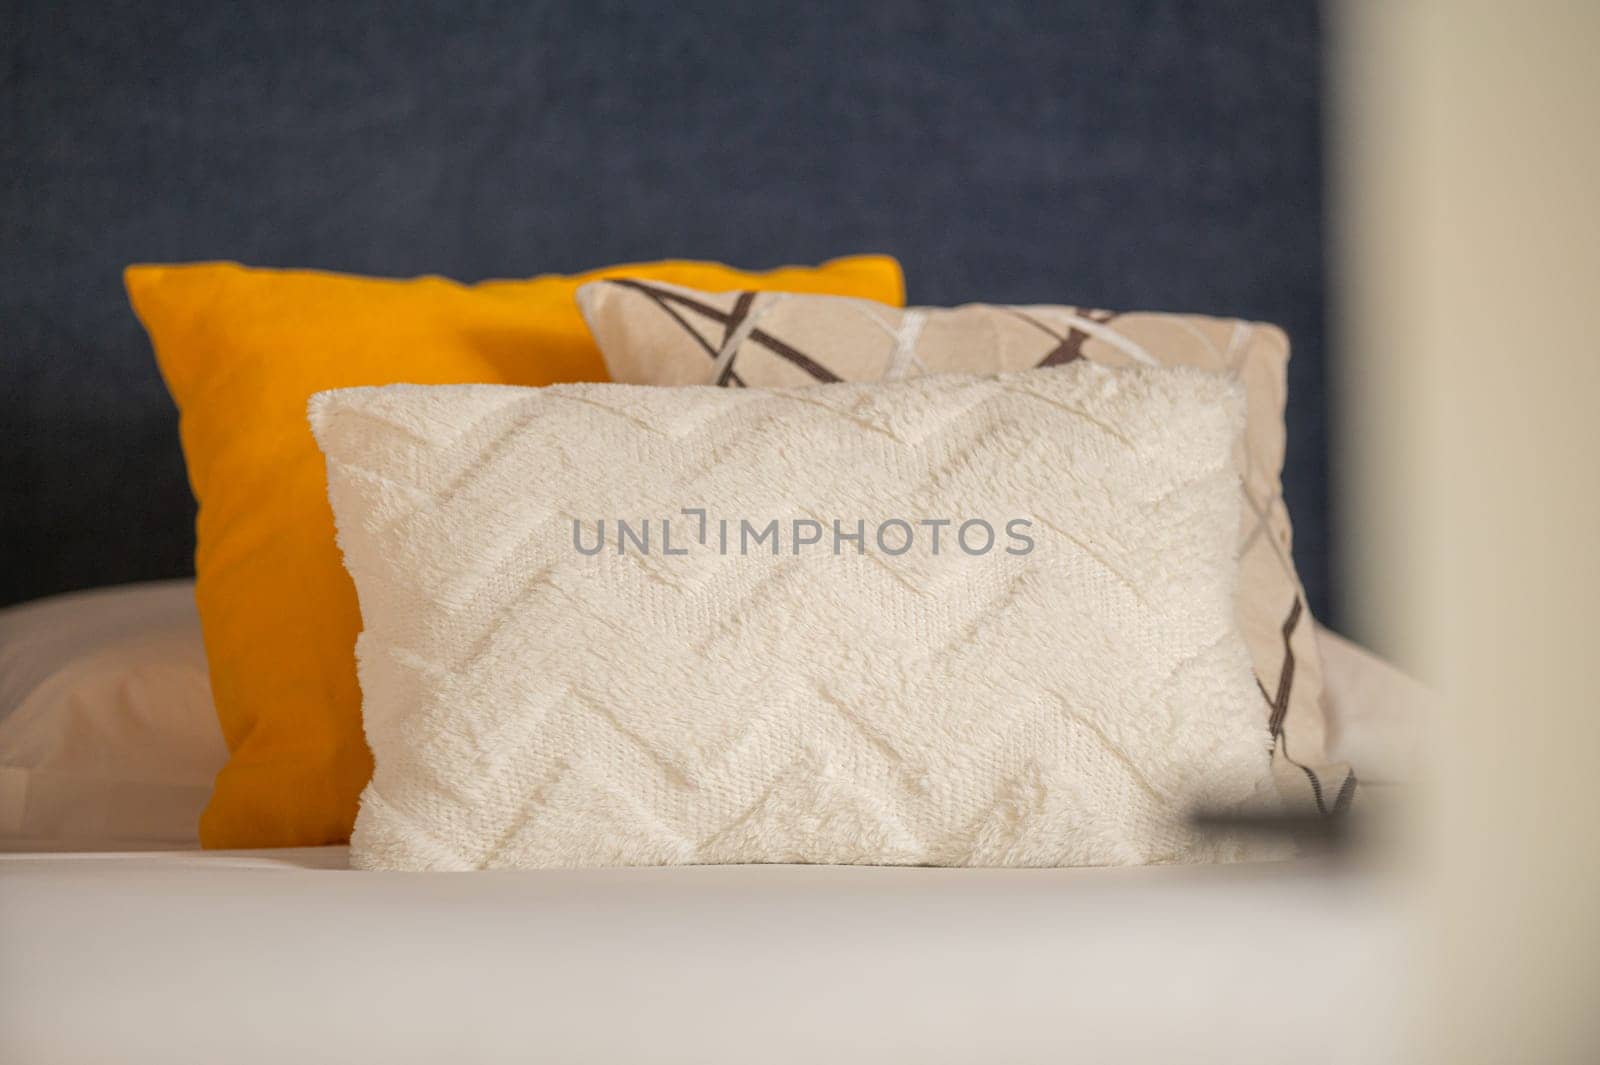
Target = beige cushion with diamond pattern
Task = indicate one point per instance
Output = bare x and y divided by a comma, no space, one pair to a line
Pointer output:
661,334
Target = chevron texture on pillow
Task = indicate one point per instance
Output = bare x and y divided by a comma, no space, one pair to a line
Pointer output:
544,689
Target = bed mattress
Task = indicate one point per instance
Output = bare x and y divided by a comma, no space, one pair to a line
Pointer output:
285,956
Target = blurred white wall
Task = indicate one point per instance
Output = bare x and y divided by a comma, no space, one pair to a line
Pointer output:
1375,167
1466,161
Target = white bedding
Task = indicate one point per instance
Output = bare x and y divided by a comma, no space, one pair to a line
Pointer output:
271,957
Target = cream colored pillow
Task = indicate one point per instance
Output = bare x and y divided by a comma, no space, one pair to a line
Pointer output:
776,662
661,334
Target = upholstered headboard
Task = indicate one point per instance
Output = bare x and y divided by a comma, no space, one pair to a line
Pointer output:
1129,155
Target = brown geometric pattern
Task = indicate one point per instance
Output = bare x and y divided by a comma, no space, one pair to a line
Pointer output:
660,334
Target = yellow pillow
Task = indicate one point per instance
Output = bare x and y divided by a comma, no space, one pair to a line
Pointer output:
242,350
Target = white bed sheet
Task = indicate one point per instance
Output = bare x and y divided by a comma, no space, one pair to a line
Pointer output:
280,956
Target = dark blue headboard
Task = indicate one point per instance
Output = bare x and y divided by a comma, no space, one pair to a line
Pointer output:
1155,155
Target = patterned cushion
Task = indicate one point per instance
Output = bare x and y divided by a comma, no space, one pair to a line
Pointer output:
541,690
662,334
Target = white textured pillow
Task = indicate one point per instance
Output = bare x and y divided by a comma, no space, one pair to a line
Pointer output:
529,704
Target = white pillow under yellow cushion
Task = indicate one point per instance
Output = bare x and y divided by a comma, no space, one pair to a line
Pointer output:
663,334
530,703
107,731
